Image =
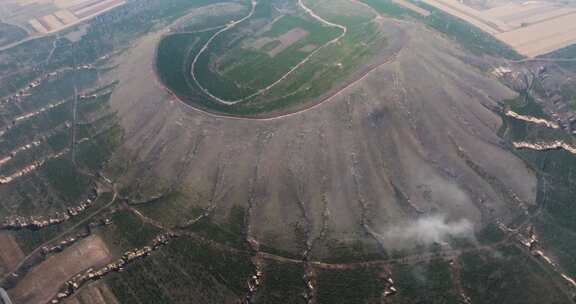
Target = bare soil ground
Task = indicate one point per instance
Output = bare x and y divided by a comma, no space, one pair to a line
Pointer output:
284,41
532,28
342,163
46,279
544,37
10,252
308,48
42,17
288,39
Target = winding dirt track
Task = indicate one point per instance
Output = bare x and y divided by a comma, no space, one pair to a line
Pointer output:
335,92
328,97
292,70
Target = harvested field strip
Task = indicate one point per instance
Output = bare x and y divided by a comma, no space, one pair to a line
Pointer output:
65,16
539,14
44,23
548,17
547,43
52,22
538,31
84,4
44,281
38,26
532,29
501,12
101,6
491,26
10,252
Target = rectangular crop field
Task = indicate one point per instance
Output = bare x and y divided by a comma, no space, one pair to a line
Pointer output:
46,279
268,53
530,28
49,16
10,252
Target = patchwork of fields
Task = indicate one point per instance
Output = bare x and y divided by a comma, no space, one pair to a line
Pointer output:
258,60
41,17
278,57
531,28
40,284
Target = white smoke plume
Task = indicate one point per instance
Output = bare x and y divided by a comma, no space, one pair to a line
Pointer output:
426,231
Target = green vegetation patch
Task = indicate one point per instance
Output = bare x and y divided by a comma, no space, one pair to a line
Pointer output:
185,269
568,52
28,240
231,234
490,234
234,70
283,283
506,275
174,59
11,33
260,51
176,210
358,251
64,178
94,153
128,231
558,241
425,283
231,269
24,131
172,209
555,220
351,286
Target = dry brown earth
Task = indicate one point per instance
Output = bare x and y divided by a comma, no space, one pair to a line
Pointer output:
288,39
45,280
341,161
542,38
532,28
97,293
10,252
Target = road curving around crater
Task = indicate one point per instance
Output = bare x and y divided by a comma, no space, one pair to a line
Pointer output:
274,84
396,40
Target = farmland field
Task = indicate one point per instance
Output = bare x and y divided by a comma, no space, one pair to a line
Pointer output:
235,69
276,60
531,28
10,252
33,19
40,284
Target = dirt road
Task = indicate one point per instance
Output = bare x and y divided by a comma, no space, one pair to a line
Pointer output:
274,84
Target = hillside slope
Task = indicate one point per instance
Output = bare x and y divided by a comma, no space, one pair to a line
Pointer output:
414,138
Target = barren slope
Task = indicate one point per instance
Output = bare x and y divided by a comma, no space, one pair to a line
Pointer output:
413,138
